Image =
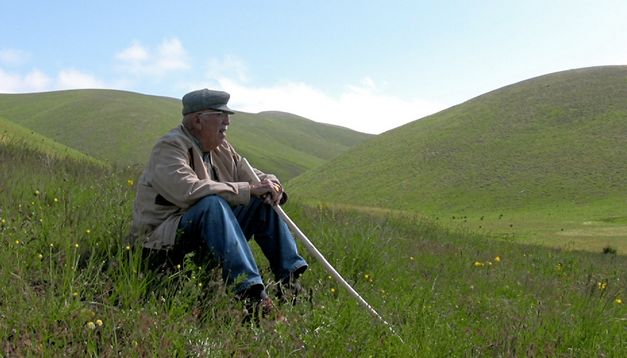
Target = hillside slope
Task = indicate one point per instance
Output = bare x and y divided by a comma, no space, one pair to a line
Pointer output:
121,127
12,134
558,138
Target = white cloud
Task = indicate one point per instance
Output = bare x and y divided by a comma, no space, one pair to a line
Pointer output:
134,54
71,78
230,66
13,57
38,81
171,56
361,107
141,61
34,81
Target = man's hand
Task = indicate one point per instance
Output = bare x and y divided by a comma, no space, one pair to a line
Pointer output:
271,192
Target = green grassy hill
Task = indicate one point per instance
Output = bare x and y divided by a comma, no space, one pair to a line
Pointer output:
121,127
551,145
12,134
289,143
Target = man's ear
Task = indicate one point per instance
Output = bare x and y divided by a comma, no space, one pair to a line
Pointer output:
196,122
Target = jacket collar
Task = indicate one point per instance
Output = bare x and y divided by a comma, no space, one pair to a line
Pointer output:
194,140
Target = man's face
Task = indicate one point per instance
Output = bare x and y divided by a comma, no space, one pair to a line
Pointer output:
211,127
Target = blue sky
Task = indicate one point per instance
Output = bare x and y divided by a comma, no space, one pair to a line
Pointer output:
366,65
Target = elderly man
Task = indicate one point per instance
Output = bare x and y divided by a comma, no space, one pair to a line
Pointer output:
195,195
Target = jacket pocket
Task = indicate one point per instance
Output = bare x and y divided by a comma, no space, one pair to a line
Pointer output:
160,200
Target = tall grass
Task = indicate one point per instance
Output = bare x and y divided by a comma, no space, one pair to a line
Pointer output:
69,285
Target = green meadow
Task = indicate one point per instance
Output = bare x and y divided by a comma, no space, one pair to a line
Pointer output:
497,227
70,287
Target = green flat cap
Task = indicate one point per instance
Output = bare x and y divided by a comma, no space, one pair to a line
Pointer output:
204,99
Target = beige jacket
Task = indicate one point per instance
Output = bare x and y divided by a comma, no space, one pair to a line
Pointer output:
175,178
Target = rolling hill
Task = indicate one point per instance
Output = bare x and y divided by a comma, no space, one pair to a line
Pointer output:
12,134
121,127
558,140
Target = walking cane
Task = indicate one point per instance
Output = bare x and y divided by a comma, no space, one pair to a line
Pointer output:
315,253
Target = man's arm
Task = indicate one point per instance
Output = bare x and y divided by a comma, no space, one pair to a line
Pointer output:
176,181
275,194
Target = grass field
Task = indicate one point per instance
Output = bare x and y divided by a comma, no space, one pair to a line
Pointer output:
69,285
588,229
580,229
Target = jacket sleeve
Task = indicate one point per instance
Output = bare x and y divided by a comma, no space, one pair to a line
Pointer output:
175,180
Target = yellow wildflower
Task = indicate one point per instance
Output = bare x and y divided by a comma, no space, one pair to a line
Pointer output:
99,323
17,242
40,256
87,231
478,264
411,258
128,247
602,285
199,284
76,245
178,266
56,200
366,276
91,325
618,301
332,289
497,259
36,193
130,182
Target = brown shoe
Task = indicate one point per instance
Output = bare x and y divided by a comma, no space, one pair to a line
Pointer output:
258,305
269,311
289,288
266,306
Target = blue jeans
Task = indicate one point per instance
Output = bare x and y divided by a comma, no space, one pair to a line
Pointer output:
225,231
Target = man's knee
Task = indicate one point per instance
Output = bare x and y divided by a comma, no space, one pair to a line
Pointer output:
212,203
211,208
